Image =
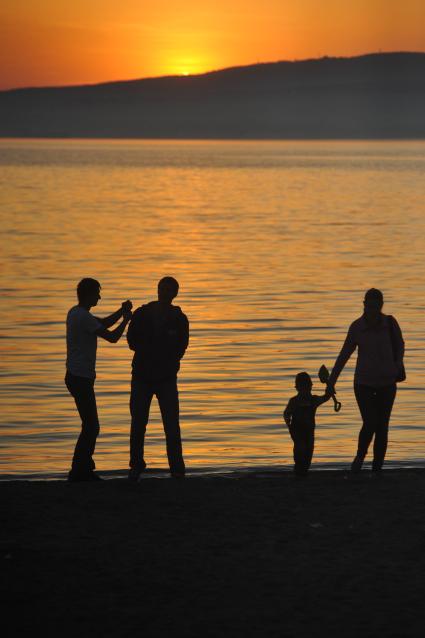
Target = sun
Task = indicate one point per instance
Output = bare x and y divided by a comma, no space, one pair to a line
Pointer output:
186,66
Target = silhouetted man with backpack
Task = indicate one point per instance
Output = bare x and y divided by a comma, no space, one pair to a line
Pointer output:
159,335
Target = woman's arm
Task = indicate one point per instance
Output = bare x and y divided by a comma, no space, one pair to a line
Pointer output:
347,350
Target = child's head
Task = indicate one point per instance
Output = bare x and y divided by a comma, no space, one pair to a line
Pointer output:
303,382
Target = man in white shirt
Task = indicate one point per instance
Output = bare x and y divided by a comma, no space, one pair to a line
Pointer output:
82,330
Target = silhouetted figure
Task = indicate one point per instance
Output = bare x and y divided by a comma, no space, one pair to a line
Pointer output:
380,345
82,330
159,336
299,416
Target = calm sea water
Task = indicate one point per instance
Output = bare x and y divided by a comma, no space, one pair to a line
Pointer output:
273,243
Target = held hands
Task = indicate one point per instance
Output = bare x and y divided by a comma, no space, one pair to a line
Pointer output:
330,389
326,378
331,392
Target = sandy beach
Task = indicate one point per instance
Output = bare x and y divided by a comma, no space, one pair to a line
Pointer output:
333,554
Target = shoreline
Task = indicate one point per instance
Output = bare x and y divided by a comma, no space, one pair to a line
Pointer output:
229,471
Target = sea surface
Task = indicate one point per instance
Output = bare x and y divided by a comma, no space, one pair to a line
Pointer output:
273,243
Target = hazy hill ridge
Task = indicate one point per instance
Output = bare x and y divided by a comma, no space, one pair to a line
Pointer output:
370,96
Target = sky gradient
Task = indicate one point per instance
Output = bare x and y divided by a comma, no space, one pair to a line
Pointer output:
53,42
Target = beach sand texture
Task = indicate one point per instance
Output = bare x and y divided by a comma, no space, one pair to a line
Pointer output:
333,554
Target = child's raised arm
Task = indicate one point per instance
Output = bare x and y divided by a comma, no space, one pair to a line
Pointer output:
325,397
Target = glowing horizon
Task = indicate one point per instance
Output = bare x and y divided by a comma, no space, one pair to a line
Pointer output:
51,43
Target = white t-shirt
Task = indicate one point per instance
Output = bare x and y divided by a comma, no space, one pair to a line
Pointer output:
81,342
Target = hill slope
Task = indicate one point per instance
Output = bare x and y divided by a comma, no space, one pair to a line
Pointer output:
371,96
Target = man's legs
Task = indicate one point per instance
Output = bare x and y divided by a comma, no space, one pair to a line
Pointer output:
140,401
82,390
168,399
385,399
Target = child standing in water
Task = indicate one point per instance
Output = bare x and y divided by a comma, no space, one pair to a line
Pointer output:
299,416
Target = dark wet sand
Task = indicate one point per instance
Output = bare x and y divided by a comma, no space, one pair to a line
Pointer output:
330,555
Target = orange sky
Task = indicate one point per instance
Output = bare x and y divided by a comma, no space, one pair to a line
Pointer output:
51,42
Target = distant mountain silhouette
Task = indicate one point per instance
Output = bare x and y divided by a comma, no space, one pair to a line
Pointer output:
371,96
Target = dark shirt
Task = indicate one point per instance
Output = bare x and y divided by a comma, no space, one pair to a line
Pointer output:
159,335
300,412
